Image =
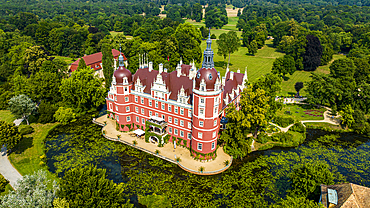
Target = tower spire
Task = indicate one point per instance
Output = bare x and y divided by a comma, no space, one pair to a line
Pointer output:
120,58
208,53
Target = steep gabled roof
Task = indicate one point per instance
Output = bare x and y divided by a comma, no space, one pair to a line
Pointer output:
349,195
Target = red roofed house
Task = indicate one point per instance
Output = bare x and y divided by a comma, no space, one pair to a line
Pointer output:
94,61
183,107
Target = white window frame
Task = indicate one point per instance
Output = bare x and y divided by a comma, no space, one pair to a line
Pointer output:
189,135
142,100
116,107
200,135
176,110
156,104
126,99
142,111
170,130
181,111
137,119
128,118
213,146
201,101
136,109
143,121
150,113
127,108
176,131
150,102
136,99
189,113
181,133
214,134
201,123
200,146
117,117
200,111
176,121
169,119
156,115
169,108
215,123
163,106
181,123
115,98
189,125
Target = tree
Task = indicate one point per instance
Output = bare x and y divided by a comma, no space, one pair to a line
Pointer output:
82,91
3,183
9,134
22,106
283,65
252,47
228,43
81,64
153,201
33,58
189,39
57,66
347,116
65,115
60,203
215,17
293,202
239,13
298,86
107,62
306,179
32,191
197,12
271,84
313,53
89,187
44,86
46,111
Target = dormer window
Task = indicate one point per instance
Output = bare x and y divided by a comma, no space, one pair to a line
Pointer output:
202,88
125,80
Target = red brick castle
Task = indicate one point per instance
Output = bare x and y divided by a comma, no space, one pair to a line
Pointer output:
184,106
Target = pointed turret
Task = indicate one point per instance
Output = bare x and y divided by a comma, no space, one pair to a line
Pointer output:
208,54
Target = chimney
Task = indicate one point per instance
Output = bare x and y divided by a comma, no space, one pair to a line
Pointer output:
150,66
165,70
231,75
160,68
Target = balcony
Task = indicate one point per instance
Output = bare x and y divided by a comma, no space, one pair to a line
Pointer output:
157,125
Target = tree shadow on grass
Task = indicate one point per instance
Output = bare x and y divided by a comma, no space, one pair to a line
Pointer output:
222,64
23,145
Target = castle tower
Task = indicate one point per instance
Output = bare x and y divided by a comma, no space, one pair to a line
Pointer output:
207,96
121,88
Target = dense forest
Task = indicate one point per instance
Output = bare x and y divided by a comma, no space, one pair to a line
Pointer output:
35,36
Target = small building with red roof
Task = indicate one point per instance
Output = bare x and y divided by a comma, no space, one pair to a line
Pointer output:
94,61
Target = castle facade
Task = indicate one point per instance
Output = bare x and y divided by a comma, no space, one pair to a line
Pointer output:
184,107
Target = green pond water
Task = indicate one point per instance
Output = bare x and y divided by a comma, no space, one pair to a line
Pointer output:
253,181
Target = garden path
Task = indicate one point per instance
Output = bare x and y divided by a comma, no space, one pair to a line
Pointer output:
7,169
327,119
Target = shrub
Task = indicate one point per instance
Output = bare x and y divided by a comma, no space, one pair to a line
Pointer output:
298,127
282,137
46,111
262,138
213,36
283,121
3,183
24,130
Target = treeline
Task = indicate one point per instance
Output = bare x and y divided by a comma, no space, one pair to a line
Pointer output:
243,3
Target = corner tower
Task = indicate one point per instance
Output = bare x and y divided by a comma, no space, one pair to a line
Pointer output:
207,96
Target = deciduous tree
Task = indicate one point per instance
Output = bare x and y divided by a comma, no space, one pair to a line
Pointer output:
189,38
228,43
107,62
252,47
82,91
65,115
347,116
298,86
32,191
22,106
89,187
313,53
81,64
9,134
283,65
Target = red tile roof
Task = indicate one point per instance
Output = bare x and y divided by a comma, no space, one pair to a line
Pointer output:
231,84
95,58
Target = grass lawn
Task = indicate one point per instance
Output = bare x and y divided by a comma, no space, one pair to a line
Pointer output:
26,156
113,33
258,65
8,188
302,112
5,115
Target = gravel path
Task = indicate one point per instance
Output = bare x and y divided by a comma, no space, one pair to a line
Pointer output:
7,169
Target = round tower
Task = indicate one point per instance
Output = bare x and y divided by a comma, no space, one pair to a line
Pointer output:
121,86
207,96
